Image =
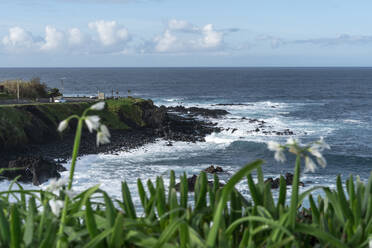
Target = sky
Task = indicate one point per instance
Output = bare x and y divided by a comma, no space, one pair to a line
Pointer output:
175,33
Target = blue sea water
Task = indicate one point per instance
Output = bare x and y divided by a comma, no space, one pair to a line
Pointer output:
335,103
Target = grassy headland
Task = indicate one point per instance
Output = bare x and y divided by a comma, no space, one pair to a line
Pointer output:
34,123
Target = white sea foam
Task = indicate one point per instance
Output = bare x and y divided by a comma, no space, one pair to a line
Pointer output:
157,159
352,121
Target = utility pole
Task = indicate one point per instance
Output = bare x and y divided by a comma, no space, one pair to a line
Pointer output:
17,91
62,86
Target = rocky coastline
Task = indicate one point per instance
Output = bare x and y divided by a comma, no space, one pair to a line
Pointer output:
40,161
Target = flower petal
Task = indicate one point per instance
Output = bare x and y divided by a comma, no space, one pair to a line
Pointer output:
56,206
309,164
62,126
273,146
92,122
98,106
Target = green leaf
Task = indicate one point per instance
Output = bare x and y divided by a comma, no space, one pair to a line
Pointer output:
4,226
98,239
342,200
110,210
15,228
90,222
294,196
217,218
172,183
168,232
160,196
184,235
257,199
324,236
117,239
202,191
127,201
29,225
282,192
184,191
142,193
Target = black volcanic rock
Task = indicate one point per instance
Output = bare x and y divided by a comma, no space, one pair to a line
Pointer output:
211,169
191,181
33,169
194,111
275,183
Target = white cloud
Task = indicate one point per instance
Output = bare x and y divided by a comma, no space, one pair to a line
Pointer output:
165,42
75,37
110,37
54,39
212,38
109,32
181,25
182,37
18,38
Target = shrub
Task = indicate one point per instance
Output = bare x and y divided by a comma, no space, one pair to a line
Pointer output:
27,89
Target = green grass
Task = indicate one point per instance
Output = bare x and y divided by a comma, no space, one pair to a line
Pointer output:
4,96
219,217
14,119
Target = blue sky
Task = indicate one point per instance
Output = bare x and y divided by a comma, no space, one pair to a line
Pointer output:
73,33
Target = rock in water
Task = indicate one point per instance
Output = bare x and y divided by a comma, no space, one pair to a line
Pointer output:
191,181
33,169
275,183
211,169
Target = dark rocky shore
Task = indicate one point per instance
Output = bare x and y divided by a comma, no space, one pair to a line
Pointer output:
37,160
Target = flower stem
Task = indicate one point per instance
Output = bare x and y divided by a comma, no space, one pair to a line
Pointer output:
294,196
71,178
75,152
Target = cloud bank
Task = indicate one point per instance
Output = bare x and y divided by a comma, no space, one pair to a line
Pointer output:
111,37
177,37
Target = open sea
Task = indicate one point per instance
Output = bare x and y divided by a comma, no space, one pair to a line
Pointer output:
335,103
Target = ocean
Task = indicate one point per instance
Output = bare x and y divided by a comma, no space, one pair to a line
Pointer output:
334,103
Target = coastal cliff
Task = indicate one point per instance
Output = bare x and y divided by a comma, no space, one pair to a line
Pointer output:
29,132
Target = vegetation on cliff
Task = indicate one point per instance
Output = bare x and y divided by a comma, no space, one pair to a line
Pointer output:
27,89
36,123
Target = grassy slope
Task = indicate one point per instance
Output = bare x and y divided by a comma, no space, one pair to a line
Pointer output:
14,120
4,96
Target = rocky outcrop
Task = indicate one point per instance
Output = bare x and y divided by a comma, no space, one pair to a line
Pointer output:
33,169
275,183
166,124
194,111
211,169
191,181
30,130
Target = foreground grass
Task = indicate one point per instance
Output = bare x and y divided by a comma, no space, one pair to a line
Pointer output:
219,217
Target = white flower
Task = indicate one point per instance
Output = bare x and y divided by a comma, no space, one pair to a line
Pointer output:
293,146
98,106
278,149
92,122
273,146
62,126
56,206
103,135
279,156
57,184
309,164
291,141
71,194
370,242
316,149
322,145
